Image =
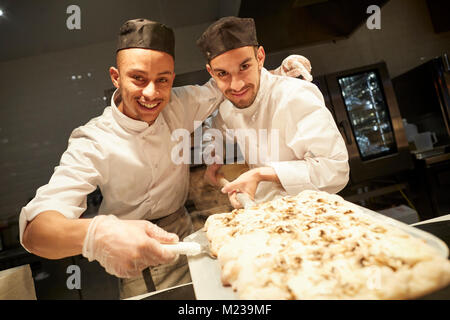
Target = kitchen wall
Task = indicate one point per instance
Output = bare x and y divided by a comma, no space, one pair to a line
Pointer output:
45,97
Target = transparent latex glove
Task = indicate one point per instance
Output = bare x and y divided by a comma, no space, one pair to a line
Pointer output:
126,247
295,66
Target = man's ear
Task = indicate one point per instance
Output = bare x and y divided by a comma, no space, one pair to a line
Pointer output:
114,74
261,56
208,68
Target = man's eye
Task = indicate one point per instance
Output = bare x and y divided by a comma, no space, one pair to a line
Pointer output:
162,80
138,78
222,74
245,66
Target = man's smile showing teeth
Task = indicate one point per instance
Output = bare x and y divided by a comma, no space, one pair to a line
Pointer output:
148,105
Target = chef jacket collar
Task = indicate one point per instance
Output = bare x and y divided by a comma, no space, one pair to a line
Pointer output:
131,125
263,86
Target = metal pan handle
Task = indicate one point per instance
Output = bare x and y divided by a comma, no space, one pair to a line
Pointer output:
245,200
187,248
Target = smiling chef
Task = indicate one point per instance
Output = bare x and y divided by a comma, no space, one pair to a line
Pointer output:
307,154
126,153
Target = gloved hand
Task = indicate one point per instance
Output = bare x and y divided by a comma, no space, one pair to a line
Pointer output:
294,66
126,247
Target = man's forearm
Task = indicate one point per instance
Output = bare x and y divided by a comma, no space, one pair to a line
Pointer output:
53,236
267,174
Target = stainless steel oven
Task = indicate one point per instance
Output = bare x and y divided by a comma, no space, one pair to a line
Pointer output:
363,103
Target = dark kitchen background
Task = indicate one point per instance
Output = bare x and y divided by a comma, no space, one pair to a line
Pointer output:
384,86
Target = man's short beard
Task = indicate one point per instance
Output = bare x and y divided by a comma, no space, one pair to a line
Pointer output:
253,98
246,105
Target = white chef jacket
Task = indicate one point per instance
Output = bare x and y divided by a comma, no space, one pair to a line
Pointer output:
311,154
128,160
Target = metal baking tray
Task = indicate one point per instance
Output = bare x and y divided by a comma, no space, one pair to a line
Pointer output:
205,274
205,271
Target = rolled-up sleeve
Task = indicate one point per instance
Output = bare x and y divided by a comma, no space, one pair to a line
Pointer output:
311,133
76,176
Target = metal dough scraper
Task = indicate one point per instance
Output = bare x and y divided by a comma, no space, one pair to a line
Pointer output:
192,245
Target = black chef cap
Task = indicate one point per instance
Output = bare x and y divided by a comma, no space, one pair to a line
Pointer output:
143,33
227,34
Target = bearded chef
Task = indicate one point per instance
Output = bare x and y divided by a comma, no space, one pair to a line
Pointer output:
308,151
126,153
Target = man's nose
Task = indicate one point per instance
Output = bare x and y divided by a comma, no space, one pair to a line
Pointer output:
237,84
150,90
